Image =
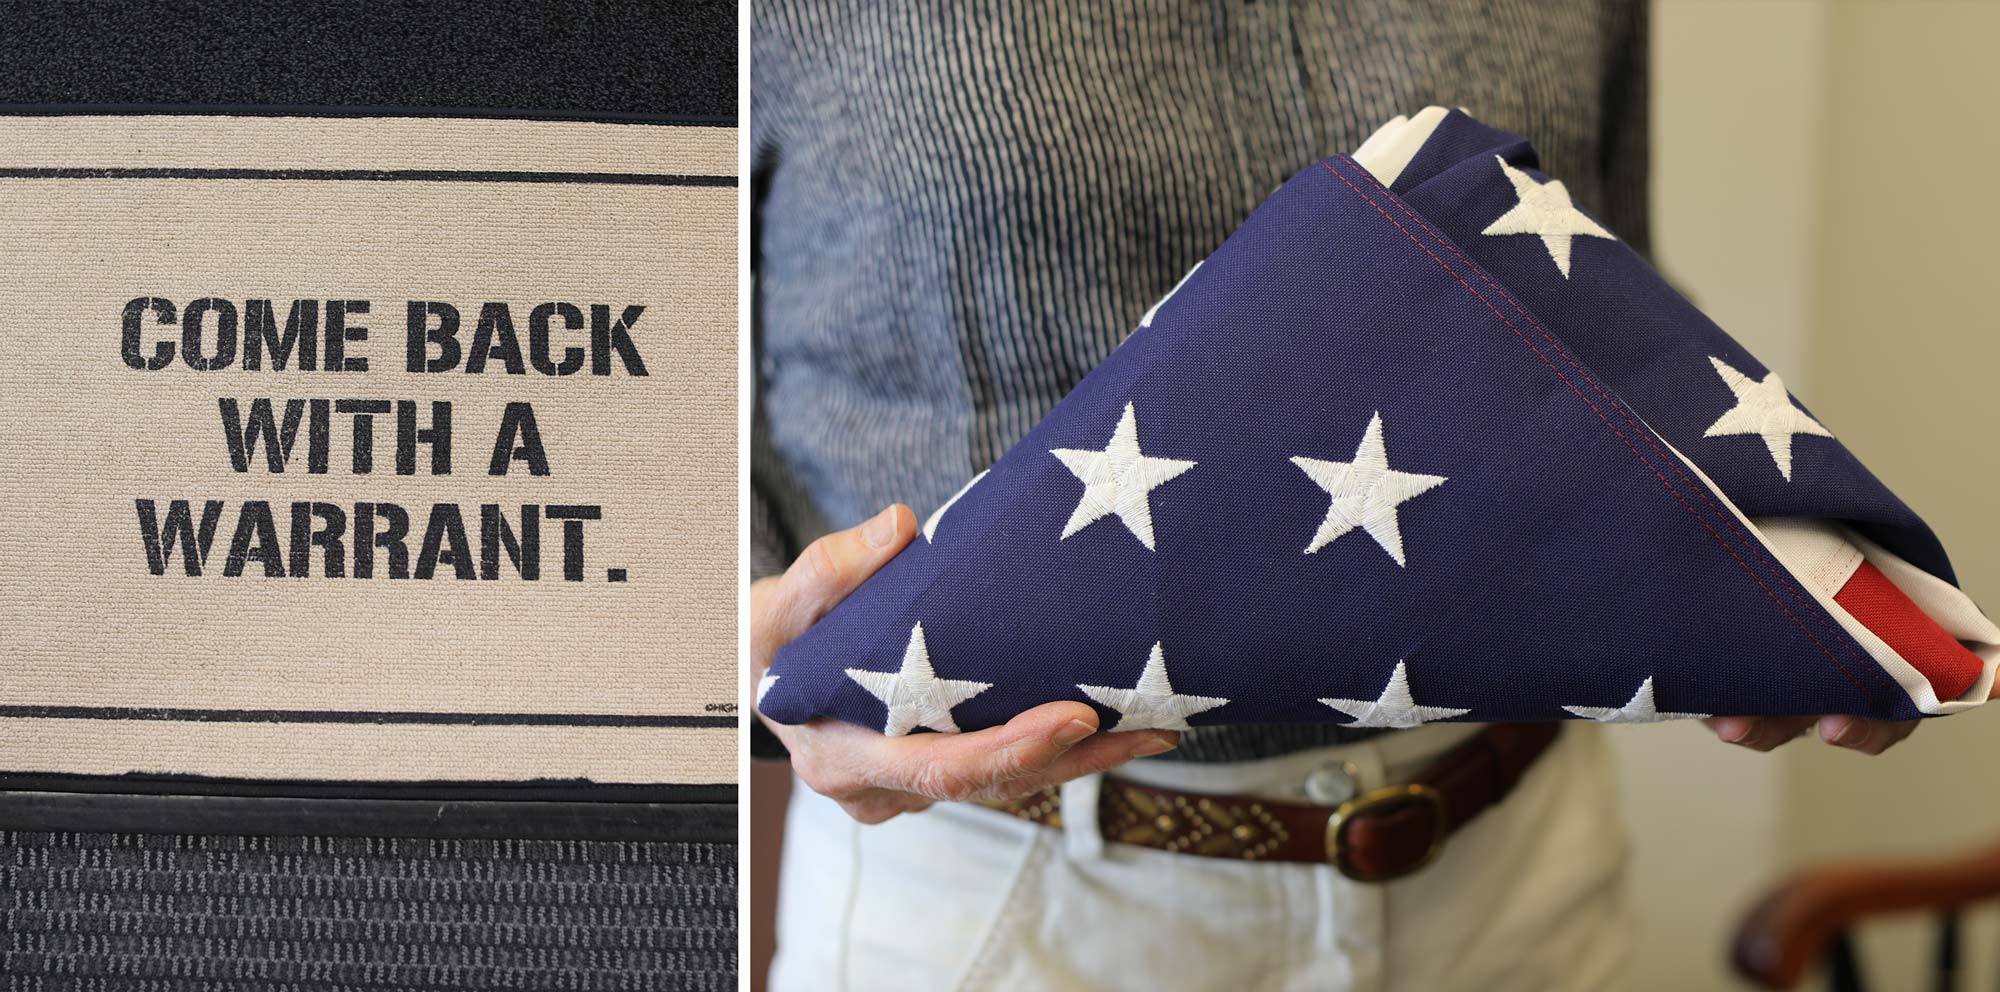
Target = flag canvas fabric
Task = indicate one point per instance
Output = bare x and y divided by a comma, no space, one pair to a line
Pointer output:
1421,441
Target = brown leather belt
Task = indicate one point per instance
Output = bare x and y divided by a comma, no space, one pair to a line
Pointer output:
1378,836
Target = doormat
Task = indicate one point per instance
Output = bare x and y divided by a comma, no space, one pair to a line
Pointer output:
371,456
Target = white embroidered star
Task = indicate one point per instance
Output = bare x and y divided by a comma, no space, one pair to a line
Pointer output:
1118,479
1152,704
1763,408
1366,492
1544,210
1395,708
931,522
915,696
1147,320
764,686
1639,709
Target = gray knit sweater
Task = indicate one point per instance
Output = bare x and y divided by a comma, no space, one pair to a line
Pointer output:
955,216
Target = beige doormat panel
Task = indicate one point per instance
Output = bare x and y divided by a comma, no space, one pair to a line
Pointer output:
596,251
386,143
391,753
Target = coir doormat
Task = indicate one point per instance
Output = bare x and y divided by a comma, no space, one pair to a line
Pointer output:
373,451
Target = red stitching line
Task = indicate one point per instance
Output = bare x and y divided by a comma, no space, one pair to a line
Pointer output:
1636,453
1784,578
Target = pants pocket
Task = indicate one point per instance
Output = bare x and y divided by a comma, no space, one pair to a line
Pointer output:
903,904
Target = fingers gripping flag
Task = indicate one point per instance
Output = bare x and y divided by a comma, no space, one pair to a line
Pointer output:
1421,441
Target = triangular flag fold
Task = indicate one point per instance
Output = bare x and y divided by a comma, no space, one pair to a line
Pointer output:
1381,460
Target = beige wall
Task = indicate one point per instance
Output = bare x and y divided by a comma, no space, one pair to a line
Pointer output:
1905,351
1821,189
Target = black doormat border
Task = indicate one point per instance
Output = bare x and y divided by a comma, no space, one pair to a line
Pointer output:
356,112
512,819
569,59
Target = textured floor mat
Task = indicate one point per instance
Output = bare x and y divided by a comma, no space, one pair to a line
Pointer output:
126,911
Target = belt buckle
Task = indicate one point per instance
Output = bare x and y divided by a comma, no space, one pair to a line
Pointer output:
1383,800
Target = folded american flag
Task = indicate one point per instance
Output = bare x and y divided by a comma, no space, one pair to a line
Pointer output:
1421,441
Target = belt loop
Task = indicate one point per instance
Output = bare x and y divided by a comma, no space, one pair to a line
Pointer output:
1081,837
1371,766
1505,775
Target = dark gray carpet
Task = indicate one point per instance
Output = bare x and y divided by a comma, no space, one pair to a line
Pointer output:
175,911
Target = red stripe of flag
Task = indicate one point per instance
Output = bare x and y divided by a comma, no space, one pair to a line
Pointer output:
1881,607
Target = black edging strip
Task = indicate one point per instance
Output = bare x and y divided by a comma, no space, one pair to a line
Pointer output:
180,715
566,809
542,790
707,822
677,58
374,175
343,112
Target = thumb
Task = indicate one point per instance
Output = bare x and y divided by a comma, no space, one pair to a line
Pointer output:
835,565
955,767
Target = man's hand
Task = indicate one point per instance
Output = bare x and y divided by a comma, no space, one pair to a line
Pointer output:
875,777
1766,733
